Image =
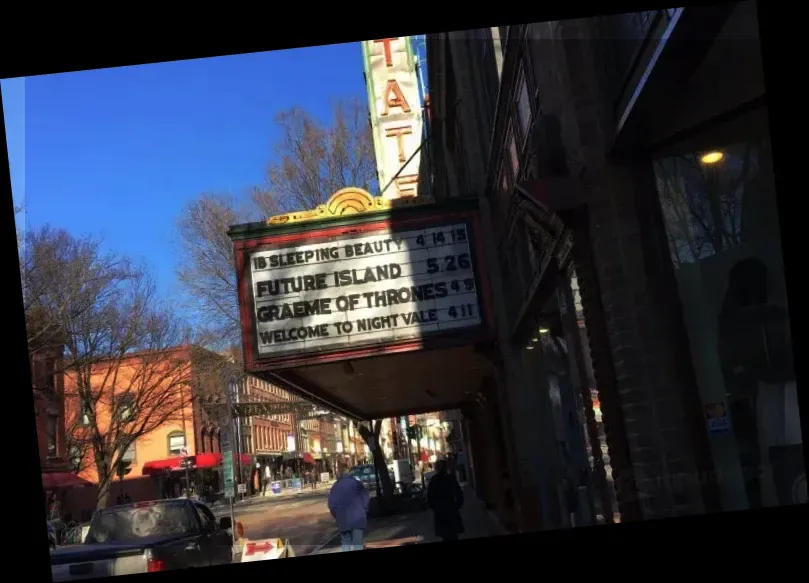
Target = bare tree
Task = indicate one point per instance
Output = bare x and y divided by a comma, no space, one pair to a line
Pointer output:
207,270
124,375
313,160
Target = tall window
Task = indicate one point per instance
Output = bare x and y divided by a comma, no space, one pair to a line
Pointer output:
176,443
514,155
50,374
503,37
53,423
524,114
129,454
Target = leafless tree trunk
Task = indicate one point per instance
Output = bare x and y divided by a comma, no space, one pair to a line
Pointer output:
370,433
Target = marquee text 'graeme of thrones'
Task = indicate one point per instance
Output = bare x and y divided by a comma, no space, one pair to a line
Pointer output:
369,289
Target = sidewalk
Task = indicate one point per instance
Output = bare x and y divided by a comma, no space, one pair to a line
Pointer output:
417,528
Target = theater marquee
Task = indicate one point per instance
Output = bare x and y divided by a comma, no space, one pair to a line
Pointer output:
337,293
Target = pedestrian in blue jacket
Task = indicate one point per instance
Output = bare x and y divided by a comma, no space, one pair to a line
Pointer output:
348,504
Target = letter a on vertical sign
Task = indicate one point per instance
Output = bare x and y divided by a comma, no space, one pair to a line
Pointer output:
396,112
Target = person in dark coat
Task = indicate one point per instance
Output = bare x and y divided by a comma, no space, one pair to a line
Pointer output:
445,497
348,504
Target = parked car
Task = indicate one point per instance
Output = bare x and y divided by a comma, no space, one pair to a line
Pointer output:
146,537
366,474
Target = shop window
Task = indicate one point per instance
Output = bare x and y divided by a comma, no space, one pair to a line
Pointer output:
717,197
176,442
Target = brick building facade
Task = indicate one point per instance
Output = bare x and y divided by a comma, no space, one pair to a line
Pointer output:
597,406
49,410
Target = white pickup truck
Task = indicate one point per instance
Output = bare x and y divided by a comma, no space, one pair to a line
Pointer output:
146,537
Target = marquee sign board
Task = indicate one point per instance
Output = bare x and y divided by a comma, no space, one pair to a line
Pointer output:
330,294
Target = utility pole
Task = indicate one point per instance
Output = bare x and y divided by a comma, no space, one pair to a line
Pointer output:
234,389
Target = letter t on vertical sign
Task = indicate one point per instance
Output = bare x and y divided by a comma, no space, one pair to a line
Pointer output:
399,134
386,48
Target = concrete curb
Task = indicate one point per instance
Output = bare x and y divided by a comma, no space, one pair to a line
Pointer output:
325,543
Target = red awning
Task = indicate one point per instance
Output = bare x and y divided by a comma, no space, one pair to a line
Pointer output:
201,461
63,481
171,464
307,458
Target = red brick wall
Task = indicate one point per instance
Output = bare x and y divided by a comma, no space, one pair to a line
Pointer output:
81,502
46,403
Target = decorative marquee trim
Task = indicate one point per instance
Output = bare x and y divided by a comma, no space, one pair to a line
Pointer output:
347,201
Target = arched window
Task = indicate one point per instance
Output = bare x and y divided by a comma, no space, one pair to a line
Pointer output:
217,448
176,443
203,440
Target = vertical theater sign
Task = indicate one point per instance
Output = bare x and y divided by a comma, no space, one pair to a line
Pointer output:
396,113
365,295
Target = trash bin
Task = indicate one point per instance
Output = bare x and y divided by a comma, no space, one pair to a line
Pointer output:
275,487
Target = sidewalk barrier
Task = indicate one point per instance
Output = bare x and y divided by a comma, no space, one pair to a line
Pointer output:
265,550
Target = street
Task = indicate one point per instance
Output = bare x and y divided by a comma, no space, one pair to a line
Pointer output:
302,518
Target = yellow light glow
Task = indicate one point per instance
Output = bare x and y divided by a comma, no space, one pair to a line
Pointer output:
544,330
529,347
711,157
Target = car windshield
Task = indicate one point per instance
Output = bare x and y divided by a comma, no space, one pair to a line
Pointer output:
133,522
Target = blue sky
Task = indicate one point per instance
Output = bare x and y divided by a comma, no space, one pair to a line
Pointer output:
118,152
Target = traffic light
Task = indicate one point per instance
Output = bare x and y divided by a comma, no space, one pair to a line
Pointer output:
123,467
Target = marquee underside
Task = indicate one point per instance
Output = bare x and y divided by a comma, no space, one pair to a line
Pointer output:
392,384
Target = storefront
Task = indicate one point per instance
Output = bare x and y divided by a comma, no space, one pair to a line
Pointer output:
709,144
274,461
717,194
201,473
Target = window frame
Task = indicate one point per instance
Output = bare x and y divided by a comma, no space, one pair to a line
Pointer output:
522,81
126,402
134,456
176,433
